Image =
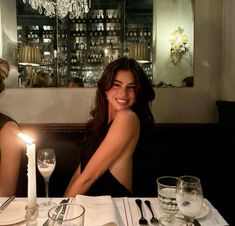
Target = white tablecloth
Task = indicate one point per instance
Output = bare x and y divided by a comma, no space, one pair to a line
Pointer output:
130,213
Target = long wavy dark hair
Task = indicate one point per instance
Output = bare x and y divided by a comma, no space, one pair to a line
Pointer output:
144,94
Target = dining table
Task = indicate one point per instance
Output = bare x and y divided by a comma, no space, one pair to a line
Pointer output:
126,211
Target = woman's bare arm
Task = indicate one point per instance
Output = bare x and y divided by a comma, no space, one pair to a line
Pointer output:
121,138
10,147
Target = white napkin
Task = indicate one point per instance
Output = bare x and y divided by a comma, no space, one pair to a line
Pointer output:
100,211
213,218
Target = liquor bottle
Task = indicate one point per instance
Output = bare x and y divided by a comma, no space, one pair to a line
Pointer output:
145,32
149,32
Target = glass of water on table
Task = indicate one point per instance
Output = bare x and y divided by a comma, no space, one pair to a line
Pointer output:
166,187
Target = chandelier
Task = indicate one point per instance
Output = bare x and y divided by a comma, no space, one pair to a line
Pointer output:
61,8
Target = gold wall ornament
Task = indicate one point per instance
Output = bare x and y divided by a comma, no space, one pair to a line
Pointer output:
179,44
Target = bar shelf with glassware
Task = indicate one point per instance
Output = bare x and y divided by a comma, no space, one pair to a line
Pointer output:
82,46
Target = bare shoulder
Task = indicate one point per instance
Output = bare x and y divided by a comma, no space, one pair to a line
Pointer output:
127,115
10,129
126,119
10,126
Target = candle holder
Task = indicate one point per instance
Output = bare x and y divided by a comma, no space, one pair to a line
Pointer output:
31,215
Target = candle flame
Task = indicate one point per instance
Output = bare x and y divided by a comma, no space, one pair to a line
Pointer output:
25,138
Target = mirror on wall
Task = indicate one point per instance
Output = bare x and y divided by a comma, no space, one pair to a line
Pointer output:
72,50
173,43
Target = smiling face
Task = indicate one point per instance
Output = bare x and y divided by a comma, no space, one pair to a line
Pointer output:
122,94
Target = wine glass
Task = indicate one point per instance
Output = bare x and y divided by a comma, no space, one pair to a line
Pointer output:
46,162
189,197
166,187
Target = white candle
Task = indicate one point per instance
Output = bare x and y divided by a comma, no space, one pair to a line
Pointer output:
31,170
31,175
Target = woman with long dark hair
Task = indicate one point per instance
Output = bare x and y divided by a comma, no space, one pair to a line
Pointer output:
120,114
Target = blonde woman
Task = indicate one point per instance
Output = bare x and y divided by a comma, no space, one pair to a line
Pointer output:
10,144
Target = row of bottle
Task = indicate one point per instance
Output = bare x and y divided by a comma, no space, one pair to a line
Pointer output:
99,15
112,29
81,43
139,32
98,56
34,36
81,30
49,34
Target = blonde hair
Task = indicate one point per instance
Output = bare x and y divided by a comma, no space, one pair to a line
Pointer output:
4,71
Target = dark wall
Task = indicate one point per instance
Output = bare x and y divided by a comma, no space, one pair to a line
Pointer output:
65,142
202,150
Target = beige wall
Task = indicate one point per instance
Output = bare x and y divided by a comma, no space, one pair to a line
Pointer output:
168,16
172,105
8,35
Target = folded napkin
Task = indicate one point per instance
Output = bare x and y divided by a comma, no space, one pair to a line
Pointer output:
211,217
100,211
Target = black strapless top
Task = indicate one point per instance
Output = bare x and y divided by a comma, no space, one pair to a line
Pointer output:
4,119
106,184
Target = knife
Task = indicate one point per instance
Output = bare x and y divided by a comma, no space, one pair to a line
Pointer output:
6,203
196,222
56,212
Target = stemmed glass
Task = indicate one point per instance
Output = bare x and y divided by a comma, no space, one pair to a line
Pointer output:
46,162
189,197
166,187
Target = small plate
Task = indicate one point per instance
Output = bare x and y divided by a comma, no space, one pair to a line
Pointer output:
204,212
14,213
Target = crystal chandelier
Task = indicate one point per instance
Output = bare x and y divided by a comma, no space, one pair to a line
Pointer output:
61,8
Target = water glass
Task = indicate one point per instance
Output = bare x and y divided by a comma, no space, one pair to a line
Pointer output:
166,186
67,214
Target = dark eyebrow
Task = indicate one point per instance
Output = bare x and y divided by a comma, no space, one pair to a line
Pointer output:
120,82
117,81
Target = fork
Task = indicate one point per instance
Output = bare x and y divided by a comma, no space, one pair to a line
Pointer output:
153,220
142,220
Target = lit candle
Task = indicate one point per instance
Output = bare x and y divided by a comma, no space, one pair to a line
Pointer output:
31,170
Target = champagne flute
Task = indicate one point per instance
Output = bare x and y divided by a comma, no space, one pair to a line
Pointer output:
46,162
166,186
189,197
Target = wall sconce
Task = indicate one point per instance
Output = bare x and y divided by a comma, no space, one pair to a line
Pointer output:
179,47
